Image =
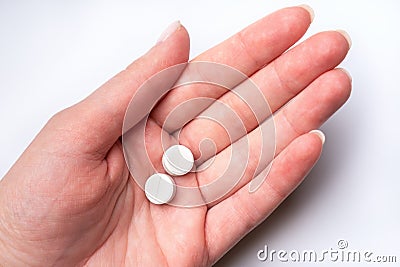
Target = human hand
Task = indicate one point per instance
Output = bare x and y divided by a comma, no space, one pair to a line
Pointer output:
69,199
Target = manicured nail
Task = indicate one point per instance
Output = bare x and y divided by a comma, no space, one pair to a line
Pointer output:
168,31
320,134
309,10
345,35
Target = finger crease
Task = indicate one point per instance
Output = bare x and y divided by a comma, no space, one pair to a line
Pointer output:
290,123
245,49
282,84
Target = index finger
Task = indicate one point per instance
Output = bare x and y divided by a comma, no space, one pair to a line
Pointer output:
247,51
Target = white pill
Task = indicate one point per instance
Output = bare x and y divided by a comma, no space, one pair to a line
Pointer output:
178,160
160,188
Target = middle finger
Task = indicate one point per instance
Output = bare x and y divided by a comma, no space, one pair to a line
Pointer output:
278,82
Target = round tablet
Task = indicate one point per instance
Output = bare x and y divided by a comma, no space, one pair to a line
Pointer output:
178,160
160,188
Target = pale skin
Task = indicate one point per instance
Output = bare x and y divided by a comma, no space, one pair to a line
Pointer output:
69,199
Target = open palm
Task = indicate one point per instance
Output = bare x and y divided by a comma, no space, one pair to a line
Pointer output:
70,199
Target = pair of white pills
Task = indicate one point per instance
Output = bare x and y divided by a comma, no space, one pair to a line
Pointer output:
160,188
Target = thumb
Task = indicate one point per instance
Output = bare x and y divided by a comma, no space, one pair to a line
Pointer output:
97,120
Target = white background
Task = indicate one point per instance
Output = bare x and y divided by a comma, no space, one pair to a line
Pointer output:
54,53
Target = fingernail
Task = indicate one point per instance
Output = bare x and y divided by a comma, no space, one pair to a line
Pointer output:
168,31
309,10
320,134
345,35
346,72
